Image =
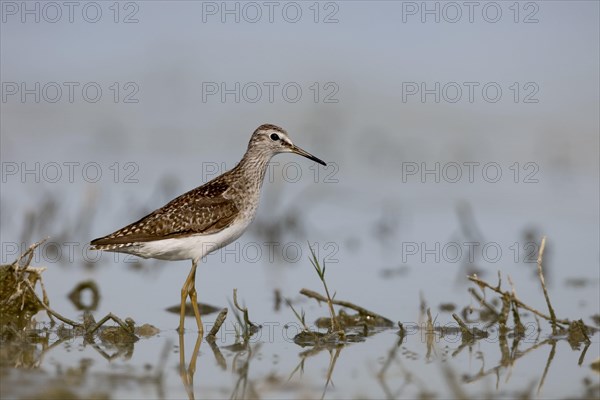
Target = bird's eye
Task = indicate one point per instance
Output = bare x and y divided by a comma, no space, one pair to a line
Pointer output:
274,136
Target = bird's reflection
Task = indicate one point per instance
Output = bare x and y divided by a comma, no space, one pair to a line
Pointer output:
187,372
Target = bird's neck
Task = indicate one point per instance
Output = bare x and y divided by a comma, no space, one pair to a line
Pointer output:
254,165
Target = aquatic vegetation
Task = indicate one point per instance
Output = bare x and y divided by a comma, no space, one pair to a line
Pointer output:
497,310
19,303
575,330
18,300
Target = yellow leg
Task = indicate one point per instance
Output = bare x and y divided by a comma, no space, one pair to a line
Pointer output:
182,310
194,299
189,289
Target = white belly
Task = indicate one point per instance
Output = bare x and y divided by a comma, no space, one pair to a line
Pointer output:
192,247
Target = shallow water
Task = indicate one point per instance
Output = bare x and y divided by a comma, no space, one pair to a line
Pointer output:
363,267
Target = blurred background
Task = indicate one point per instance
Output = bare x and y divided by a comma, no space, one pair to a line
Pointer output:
443,123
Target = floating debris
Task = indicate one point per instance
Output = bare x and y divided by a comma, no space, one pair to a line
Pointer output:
375,318
341,328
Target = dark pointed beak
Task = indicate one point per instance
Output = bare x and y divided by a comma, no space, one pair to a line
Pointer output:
298,150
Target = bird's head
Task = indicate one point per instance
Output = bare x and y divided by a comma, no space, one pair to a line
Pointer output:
272,140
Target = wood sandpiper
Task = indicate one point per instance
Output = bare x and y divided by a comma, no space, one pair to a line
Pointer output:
206,218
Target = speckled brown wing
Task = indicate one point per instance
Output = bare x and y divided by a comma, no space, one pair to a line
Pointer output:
203,210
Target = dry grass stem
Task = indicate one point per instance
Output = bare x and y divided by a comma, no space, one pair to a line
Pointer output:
543,282
218,322
244,310
347,304
518,302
